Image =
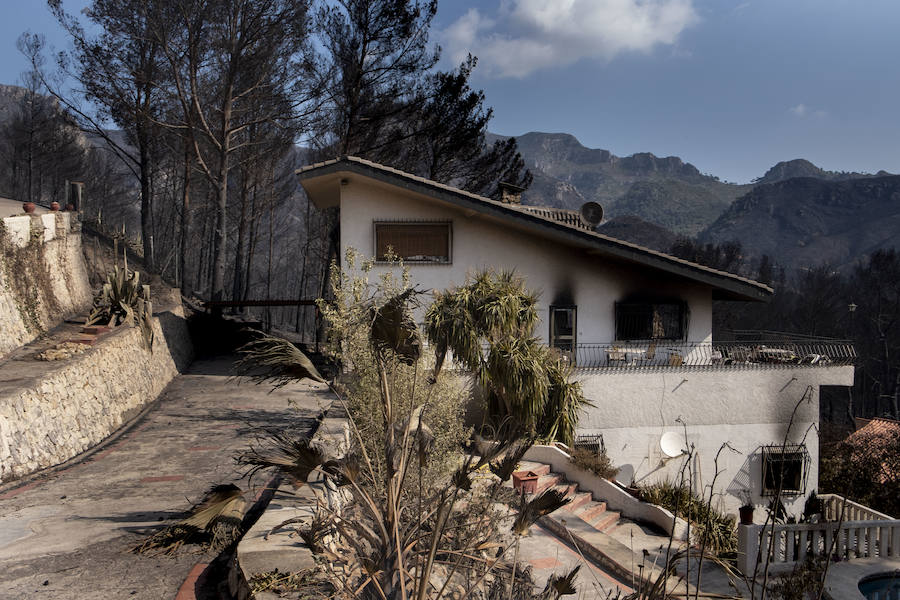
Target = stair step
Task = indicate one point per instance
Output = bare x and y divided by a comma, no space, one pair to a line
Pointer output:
591,511
606,522
535,467
578,499
566,489
545,482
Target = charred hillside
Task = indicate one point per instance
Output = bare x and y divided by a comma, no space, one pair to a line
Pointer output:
808,221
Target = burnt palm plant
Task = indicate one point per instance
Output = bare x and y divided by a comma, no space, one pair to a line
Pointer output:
215,522
488,325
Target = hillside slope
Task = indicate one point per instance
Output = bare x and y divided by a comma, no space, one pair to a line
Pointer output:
806,221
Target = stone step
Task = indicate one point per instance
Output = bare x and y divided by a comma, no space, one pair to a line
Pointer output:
95,329
536,467
591,510
578,499
606,522
545,482
610,555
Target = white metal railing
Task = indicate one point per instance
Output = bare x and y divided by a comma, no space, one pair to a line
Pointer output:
853,511
790,544
728,355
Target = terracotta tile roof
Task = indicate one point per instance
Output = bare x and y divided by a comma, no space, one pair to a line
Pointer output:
877,428
876,437
740,287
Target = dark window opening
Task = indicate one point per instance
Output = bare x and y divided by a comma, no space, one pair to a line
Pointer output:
563,330
413,242
784,467
651,320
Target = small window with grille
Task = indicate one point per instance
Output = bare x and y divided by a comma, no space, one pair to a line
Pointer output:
414,242
785,468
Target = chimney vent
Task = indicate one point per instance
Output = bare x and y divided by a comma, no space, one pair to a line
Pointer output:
509,193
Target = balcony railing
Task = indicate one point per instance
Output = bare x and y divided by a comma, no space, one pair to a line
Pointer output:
663,354
790,544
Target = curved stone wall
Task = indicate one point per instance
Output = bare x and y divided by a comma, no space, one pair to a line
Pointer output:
52,411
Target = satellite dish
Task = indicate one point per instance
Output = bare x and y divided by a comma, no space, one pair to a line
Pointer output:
671,444
591,213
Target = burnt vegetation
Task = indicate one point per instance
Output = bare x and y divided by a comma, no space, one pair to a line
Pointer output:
189,118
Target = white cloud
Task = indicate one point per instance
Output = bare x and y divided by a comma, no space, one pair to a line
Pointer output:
525,36
802,111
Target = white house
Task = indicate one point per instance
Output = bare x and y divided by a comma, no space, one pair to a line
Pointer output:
636,323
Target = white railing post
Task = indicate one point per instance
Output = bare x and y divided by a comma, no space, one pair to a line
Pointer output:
791,543
748,547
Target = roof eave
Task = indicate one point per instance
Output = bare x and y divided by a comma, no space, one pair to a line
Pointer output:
725,286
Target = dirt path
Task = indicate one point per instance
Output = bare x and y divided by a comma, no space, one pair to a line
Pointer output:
66,535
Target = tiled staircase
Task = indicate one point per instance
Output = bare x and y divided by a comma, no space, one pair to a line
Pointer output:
583,505
619,551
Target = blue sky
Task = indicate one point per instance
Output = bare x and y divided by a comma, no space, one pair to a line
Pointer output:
732,86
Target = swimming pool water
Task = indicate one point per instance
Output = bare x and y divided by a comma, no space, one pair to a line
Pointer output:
881,587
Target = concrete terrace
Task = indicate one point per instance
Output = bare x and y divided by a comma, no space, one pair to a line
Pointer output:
66,533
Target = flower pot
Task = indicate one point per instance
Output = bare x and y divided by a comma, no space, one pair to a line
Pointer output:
54,206
526,481
29,207
635,491
746,513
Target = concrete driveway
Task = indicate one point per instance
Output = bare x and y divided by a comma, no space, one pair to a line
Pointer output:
67,534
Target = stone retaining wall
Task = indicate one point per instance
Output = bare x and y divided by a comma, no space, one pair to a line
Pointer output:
73,404
43,279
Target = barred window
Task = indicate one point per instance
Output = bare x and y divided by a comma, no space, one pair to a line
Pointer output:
785,468
414,242
651,320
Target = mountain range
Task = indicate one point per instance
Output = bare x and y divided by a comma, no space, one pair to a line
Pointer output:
796,212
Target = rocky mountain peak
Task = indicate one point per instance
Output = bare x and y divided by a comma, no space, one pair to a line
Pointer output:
799,167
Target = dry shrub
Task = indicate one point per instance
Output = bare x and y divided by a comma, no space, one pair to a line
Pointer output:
708,524
405,513
802,583
597,463
350,345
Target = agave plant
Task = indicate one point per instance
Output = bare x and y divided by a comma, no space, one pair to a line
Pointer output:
123,300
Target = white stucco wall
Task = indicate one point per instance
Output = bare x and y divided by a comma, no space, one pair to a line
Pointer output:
749,408
593,282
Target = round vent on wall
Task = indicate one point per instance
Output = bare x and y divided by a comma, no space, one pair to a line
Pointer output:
671,444
591,213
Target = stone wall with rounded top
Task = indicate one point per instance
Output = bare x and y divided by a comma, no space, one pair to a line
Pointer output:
43,279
